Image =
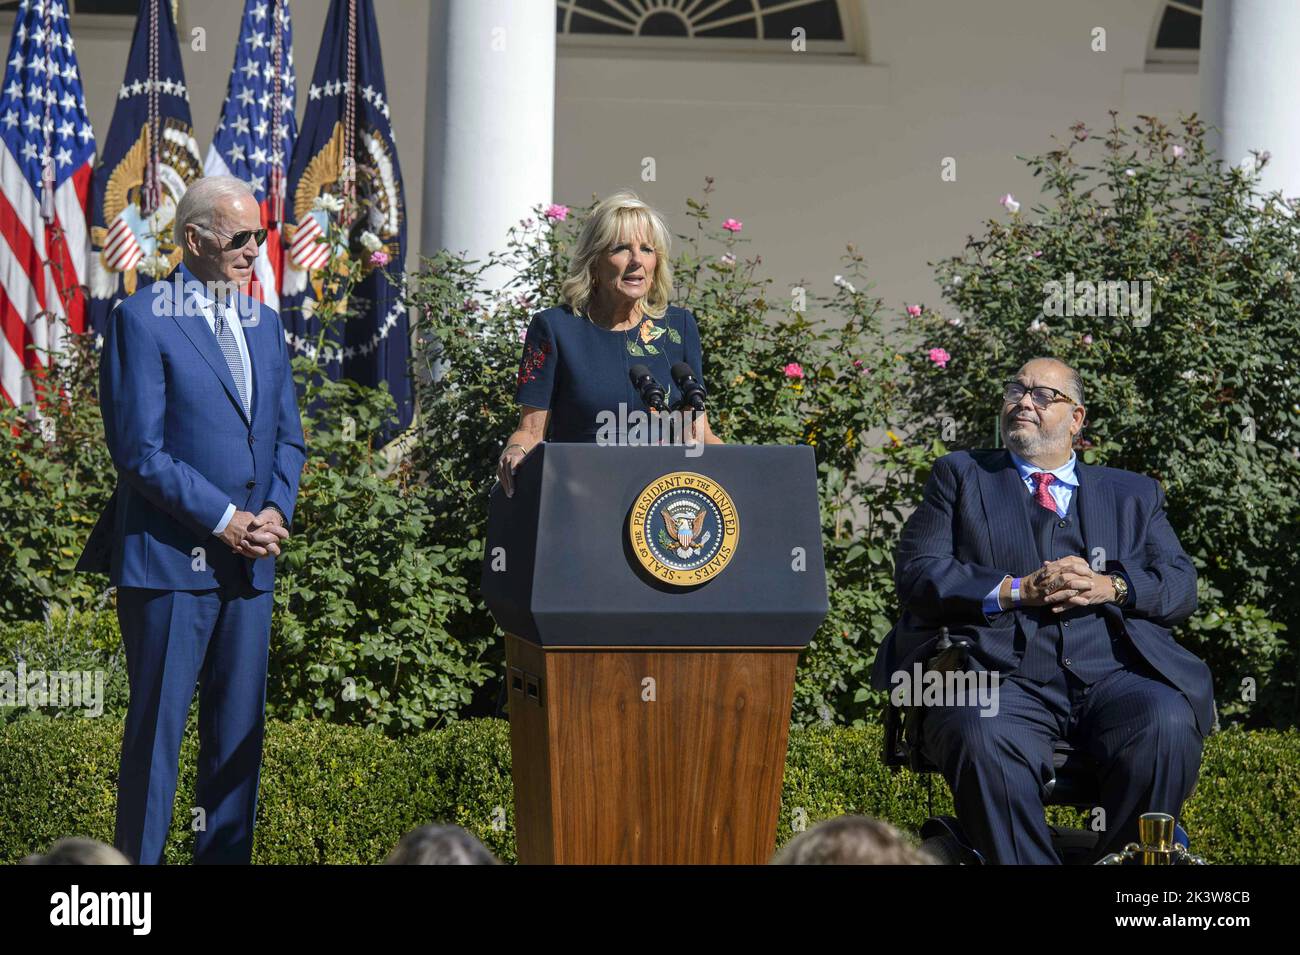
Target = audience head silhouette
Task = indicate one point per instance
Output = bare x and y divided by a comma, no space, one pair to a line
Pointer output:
851,840
440,845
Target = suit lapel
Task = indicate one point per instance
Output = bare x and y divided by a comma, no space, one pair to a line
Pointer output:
189,316
255,354
1011,538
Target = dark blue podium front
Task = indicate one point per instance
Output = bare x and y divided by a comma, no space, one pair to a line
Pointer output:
564,575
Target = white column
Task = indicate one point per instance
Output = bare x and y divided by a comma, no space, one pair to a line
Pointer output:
490,128
1249,74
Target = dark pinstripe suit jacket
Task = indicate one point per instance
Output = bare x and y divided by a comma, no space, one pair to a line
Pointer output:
971,530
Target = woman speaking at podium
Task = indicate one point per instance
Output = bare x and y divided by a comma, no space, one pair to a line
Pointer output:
578,357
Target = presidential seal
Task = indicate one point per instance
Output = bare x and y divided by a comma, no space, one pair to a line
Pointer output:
683,529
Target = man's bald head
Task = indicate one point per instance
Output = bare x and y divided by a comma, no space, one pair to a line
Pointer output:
1073,383
1043,434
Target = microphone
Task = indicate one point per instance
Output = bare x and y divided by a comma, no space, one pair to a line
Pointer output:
693,393
651,392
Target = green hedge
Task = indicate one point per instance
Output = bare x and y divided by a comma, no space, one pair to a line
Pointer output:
336,794
81,643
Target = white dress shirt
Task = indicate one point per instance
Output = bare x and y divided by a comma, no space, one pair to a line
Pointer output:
1062,488
208,306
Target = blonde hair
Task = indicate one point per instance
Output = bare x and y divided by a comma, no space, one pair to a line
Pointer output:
620,215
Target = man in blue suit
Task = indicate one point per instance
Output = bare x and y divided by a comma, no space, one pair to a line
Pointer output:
201,419
1065,579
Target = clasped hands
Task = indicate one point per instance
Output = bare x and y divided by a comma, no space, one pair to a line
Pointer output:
1061,584
255,535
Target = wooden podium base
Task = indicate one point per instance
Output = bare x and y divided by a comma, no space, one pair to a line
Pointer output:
637,755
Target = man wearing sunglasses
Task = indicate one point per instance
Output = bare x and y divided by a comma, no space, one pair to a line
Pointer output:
1066,580
201,420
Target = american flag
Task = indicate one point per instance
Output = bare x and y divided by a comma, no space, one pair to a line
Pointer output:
46,162
257,130
346,149
145,164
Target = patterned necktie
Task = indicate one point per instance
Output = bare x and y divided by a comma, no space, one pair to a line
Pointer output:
226,339
1041,494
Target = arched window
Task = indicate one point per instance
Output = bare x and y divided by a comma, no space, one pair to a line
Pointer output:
751,25
1176,37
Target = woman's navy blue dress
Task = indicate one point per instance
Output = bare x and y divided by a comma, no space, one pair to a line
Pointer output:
577,369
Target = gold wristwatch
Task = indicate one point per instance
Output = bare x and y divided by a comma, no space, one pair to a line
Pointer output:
1121,588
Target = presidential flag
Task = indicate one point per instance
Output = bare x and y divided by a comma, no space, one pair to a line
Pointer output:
257,130
148,160
46,156
345,176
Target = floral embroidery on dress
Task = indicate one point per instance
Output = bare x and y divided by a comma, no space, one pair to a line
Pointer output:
642,343
534,359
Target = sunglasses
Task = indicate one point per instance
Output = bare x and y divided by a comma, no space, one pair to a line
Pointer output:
239,239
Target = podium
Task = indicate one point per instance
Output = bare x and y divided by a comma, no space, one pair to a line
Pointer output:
654,605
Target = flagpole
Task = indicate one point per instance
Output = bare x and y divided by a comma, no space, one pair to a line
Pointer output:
47,126
276,185
151,198
349,172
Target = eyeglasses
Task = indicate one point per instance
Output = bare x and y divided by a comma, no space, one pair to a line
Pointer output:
1042,395
239,239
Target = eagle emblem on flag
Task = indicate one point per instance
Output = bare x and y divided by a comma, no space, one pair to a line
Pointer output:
132,238
378,211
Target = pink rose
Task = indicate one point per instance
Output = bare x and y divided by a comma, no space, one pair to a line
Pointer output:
1087,339
793,370
732,225
940,357
914,311
557,213
379,258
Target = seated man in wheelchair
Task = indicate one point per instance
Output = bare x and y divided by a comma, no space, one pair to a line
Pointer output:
1064,581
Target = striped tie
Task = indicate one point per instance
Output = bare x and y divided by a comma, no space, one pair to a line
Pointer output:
226,339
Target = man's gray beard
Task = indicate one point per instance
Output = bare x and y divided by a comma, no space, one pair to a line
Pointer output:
1031,442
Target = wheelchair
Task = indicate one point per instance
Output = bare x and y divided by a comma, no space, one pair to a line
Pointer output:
1075,779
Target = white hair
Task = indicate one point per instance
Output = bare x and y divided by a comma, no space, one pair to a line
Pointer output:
201,199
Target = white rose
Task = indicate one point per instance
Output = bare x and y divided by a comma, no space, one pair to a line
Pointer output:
371,242
154,266
327,203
